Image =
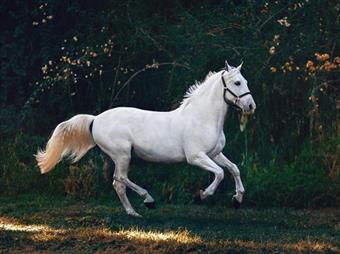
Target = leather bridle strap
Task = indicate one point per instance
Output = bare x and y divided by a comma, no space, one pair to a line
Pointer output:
226,89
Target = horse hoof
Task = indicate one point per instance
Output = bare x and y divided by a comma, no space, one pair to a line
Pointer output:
197,198
150,205
202,195
134,214
236,204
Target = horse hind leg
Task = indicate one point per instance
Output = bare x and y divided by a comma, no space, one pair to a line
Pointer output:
121,169
121,180
121,176
121,192
149,202
120,153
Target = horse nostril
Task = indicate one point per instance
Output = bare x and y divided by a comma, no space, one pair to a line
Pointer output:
250,106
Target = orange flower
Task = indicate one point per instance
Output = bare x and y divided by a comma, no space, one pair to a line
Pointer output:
328,66
309,64
322,57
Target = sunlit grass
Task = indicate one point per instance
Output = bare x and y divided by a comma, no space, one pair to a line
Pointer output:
38,231
48,233
181,237
271,245
77,226
138,238
9,224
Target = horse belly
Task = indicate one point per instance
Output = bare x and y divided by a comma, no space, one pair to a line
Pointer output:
156,156
158,148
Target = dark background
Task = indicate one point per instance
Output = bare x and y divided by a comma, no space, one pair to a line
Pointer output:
61,58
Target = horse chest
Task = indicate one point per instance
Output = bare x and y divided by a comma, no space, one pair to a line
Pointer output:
206,140
218,147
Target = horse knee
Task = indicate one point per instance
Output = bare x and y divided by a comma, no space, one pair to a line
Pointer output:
119,187
235,170
144,193
220,175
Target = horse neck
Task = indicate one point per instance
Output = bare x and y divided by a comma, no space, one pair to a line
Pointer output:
209,104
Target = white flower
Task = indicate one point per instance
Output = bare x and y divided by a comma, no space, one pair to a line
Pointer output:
284,22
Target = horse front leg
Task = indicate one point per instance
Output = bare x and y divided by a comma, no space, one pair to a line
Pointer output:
203,161
223,161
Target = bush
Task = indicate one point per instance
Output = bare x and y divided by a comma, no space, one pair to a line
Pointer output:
308,181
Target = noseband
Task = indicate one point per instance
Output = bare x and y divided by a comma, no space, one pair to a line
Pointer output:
237,97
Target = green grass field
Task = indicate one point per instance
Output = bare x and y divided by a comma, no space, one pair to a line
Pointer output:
41,224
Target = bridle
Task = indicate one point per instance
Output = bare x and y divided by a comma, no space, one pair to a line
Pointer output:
237,97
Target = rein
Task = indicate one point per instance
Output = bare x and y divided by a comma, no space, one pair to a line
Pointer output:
237,97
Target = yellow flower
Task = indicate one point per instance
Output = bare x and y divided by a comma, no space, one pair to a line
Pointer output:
284,22
273,69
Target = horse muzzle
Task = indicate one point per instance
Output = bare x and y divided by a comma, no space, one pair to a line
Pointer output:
249,106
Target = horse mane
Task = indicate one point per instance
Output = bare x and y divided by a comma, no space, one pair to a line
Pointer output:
195,89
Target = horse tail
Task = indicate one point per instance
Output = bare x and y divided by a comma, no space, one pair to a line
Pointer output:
72,138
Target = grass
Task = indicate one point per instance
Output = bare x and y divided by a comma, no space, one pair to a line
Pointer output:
43,224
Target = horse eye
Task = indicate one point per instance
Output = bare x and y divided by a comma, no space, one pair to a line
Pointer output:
237,83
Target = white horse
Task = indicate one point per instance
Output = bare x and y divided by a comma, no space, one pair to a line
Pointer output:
192,133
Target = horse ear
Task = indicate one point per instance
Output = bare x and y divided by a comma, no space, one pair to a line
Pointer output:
240,66
227,66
